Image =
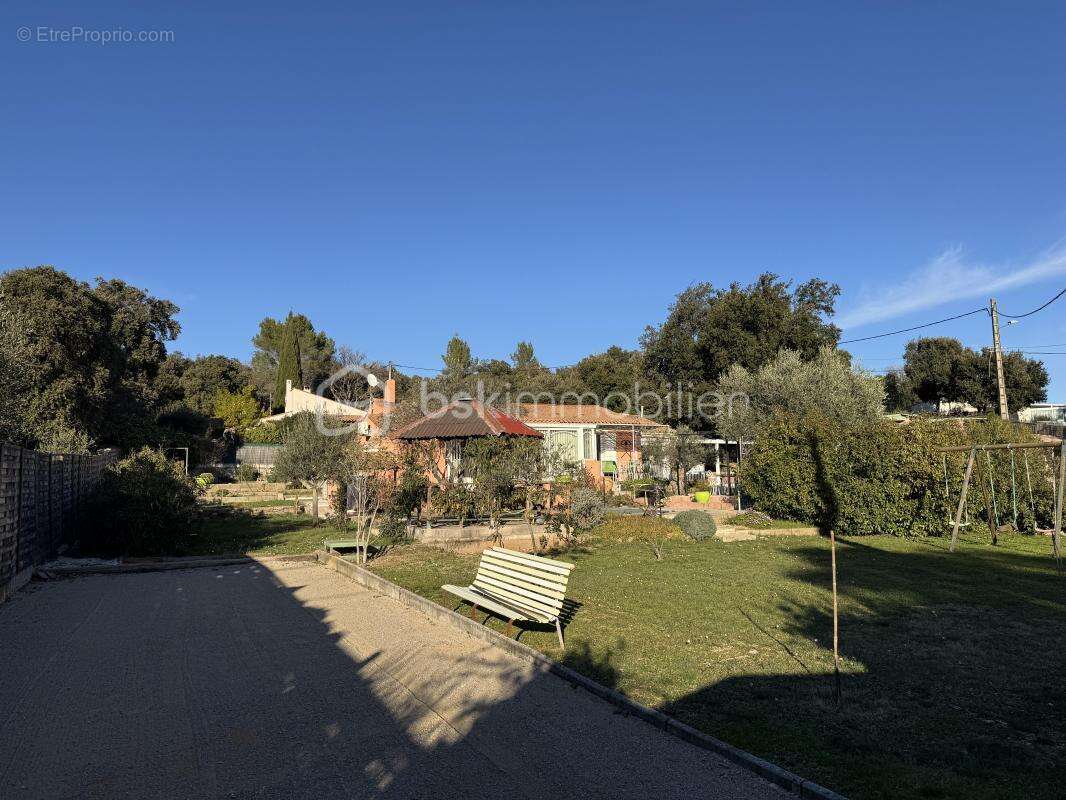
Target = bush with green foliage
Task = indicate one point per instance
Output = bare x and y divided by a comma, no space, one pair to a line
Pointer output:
882,477
205,479
238,410
696,525
587,509
636,528
246,473
143,506
263,433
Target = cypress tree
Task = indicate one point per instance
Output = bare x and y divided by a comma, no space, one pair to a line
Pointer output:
288,364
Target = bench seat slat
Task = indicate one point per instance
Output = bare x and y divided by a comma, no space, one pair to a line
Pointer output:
518,586
549,605
495,584
547,564
495,605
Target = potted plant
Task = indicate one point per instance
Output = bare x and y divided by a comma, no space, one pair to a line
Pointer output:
701,492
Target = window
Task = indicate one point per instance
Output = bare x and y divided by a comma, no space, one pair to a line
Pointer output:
590,444
563,444
453,459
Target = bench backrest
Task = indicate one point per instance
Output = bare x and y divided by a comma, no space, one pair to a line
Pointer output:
524,580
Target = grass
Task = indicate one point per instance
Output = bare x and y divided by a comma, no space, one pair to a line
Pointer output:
952,662
743,521
262,503
237,533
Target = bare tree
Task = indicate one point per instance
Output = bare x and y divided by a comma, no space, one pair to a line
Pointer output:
352,387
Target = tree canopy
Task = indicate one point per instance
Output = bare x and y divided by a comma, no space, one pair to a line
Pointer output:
941,369
827,386
316,354
85,358
709,330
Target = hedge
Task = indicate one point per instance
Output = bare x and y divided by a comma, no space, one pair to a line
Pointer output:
884,477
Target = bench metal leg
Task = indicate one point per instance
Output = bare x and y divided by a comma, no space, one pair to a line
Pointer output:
559,630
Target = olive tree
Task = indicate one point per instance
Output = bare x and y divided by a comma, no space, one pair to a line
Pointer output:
828,385
308,456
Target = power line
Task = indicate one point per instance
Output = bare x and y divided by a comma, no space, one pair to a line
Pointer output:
1041,308
917,327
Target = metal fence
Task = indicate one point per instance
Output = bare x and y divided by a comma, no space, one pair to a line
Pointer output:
41,495
258,455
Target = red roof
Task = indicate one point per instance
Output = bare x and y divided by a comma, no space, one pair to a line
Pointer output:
464,419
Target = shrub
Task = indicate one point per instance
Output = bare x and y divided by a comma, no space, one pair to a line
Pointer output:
632,528
246,473
263,433
143,506
880,477
586,509
205,479
697,525
700,486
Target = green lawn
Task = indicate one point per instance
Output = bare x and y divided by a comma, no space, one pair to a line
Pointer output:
953,664
239,533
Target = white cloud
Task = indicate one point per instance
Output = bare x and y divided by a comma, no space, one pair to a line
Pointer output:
950,277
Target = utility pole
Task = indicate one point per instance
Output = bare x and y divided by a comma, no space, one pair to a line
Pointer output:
997,346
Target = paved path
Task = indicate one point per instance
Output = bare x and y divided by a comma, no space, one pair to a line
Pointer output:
285,680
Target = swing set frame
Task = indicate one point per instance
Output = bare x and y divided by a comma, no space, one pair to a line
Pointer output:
1011,446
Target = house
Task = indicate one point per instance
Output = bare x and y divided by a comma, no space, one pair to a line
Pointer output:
448,429
369,419
1043,412
607,442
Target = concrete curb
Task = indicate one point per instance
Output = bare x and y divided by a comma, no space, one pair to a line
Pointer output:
771,772
162,565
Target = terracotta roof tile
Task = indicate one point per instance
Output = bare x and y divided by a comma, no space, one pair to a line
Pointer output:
545,413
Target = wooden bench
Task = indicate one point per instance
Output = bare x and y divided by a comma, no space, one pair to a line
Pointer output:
517,586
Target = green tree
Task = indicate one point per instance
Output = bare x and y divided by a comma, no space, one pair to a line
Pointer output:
459,366
82,360
899,391
828,385
709,330
611,376
941,369
205,377
309,457
935,368
288,365
237,409
317,356
1026,380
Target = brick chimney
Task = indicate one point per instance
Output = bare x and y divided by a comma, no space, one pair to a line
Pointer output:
390,393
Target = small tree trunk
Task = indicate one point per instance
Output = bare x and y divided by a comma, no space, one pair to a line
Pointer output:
529,518
314,503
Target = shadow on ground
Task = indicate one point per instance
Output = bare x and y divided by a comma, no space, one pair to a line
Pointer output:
238,682
952,686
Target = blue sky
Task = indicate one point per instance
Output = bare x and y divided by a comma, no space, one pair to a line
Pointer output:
556,172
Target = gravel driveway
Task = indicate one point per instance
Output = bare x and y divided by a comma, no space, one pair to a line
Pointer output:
282,679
